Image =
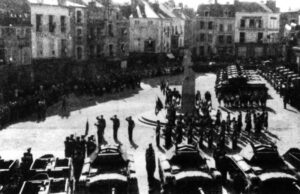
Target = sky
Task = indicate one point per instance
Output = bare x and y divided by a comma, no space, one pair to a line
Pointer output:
284,5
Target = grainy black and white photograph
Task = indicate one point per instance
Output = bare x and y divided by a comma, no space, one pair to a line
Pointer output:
149,97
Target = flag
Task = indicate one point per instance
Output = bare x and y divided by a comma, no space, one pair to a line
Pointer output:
87,128
159,106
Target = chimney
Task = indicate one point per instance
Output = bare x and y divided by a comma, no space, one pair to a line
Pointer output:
236,2
61,2
272,5
216,1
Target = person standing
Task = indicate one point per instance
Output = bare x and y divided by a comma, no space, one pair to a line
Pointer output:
116,125
131,126
150,164
157,131
248,122
102,123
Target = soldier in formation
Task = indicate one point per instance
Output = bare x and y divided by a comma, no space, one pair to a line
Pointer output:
131,126
150,164
116,125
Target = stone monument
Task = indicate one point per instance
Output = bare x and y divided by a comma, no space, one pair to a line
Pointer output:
188,86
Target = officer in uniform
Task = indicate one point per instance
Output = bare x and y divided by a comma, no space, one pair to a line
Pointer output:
100,129
27,160
179,132
248,122
131,126
210,138
168,135
67,147
150,164
190,134
157,131
116,125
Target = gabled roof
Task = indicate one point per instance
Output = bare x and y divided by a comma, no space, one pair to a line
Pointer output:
16,6
73,4
216,10
44,2
251,7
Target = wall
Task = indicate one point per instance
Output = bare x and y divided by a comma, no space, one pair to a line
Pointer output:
44,43
141,29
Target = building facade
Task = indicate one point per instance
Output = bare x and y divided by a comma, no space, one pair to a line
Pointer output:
78,30
15,32
107,31
51,31
156,28
256,30
213,30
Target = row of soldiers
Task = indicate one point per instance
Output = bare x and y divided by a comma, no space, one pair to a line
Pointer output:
77,148
200,127
101,125
243,99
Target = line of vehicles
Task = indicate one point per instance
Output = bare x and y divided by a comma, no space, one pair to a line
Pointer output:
257,169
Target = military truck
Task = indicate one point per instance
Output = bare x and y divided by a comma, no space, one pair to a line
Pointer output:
185,170
259,169
108,170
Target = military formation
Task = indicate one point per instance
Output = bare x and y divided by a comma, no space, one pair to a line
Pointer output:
285,81
239,88
201,125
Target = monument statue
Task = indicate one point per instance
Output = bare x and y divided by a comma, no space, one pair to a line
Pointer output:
188,86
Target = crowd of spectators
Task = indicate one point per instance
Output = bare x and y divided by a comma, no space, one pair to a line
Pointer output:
20,103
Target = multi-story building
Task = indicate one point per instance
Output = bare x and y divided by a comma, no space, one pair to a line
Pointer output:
107,31
51,31
256,29
15,32
78,29
213,30
156,28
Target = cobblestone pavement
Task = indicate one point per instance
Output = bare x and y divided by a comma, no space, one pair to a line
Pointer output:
49,136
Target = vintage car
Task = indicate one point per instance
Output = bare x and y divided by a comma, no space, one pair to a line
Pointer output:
260,169
9,176
54,167
292,158
108,170
43,184
185,169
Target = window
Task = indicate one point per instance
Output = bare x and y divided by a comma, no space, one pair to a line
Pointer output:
110,29
221,28
63,47
111,52
221,39
79,36
210,25
210,38
201,50
92,51
202,37
260,37
229,39
136,22
206,13
39,23
51,24
252,23
150,22
79,17
242,37
243,23
202,25
259,23
63,25
79,53
229,28
99,50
